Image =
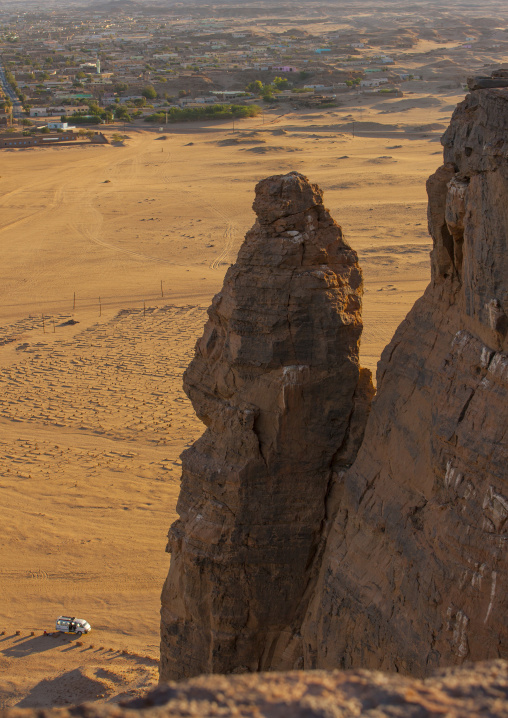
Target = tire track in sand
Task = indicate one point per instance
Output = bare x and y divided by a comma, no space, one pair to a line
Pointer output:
228,235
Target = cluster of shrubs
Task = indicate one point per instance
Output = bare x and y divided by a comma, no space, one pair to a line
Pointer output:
207,112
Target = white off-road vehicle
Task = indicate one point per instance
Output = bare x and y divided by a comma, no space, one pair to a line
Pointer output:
66,624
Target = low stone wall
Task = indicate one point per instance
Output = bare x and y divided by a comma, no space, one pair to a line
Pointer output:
20,141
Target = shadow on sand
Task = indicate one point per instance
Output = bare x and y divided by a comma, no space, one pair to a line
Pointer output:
38,644
69,688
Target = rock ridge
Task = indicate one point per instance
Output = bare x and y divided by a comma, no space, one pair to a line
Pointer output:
474,690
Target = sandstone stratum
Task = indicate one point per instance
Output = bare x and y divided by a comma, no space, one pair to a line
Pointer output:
299,545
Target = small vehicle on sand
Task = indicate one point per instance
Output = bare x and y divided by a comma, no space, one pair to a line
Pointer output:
66,624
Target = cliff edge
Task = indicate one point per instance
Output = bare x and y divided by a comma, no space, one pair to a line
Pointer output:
479,690
415,573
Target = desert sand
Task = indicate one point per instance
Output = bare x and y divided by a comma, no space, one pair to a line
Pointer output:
92,414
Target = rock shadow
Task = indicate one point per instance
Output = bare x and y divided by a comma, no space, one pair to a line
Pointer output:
69,688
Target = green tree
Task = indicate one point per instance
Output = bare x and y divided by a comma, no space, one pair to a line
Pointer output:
122,113
256,87
149,92
281,83
267,93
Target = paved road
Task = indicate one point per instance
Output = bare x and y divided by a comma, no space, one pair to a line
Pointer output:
17,107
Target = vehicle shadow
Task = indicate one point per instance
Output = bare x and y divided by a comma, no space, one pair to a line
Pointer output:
29,646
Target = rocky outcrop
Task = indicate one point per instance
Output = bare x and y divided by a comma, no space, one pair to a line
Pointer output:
498,78
276,381
415,572
283,556
477,690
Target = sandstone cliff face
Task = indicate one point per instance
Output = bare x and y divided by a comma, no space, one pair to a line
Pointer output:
415,572
276,380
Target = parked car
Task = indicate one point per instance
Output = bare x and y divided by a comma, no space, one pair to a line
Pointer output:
66,624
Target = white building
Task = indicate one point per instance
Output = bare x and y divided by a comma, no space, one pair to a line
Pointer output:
373,83
60,126
38,112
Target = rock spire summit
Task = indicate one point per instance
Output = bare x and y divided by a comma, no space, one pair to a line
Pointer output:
276,380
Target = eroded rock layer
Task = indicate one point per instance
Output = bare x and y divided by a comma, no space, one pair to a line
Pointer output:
476,690
415,569
276,380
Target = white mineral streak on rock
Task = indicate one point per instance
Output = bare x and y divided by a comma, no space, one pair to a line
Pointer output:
492,595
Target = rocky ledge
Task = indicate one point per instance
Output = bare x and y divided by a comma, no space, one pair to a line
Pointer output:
479,690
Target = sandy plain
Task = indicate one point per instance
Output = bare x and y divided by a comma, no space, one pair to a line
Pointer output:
92,414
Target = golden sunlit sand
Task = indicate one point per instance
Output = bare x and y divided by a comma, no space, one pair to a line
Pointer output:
92,414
